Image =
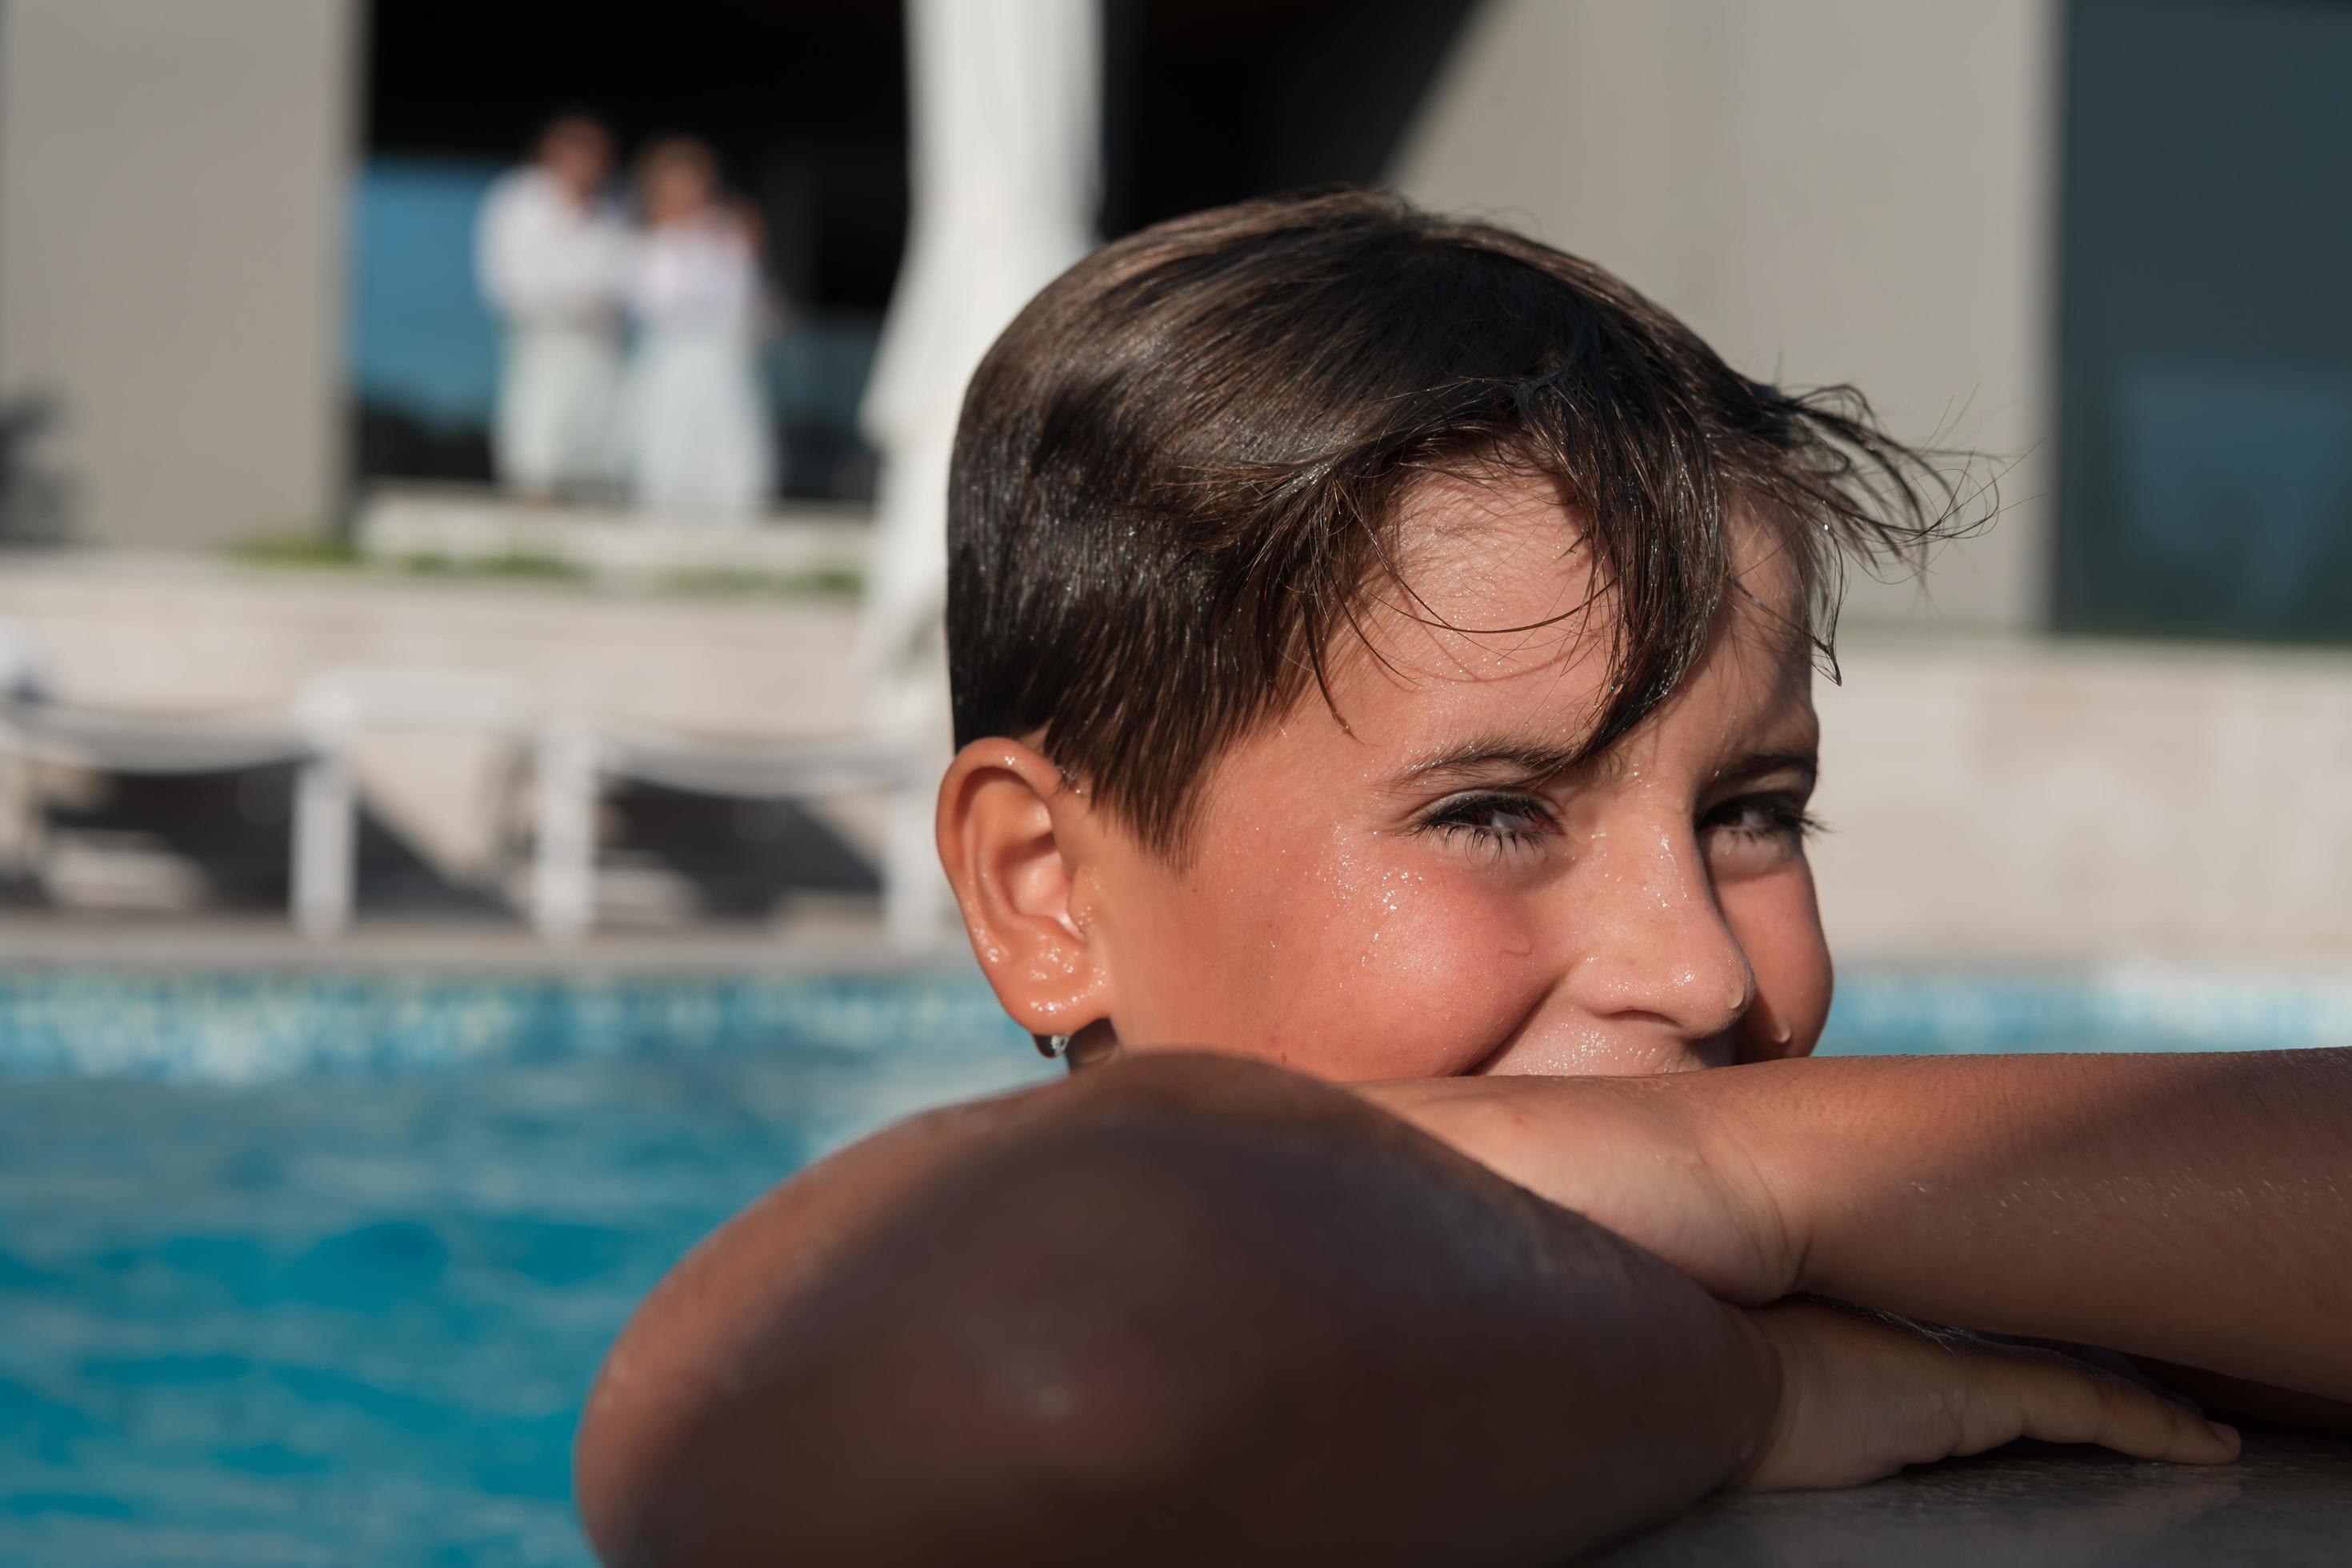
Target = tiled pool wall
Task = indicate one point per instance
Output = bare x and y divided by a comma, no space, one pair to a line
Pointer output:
232,1026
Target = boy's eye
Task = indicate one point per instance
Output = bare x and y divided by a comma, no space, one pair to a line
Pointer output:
1490,821
1766,823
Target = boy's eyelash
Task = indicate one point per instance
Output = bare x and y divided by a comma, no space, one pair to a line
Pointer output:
1781,815
1454,816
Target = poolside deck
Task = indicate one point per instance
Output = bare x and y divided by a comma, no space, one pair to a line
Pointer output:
2286,1502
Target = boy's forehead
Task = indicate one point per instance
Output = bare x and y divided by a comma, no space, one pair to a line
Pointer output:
1493,578
1494,612
1488,551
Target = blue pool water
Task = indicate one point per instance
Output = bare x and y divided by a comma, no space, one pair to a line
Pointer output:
313,1270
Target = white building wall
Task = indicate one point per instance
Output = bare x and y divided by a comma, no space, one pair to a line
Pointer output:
1827,190
2021,802
171,178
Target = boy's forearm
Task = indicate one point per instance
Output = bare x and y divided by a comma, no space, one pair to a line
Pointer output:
2193,1208
1194,1311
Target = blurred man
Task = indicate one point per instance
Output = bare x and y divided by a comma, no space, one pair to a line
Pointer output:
551,257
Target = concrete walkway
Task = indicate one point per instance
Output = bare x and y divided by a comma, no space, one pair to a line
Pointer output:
2287,1502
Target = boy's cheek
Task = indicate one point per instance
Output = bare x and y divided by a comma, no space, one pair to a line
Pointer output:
1420,986
1376,976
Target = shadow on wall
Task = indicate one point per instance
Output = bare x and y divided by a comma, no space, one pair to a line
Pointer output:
36,504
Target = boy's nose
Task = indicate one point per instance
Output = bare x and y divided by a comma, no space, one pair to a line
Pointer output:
1652,944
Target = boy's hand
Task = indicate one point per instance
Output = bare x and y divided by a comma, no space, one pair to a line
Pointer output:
1641,1163
1862,1396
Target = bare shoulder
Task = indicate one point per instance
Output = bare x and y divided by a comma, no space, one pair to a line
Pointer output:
718,1316
679,1350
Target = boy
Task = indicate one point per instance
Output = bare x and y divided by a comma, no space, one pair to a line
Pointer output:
1381,648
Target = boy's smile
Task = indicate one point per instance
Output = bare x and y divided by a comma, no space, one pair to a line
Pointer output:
1418,878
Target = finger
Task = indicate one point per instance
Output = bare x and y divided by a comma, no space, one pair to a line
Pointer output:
2056,1399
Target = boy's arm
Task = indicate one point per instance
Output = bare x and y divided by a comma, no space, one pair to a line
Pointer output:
1176,1308
2191,1208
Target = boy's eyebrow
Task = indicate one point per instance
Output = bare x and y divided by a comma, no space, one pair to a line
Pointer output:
1807,761
1531,760
1770,760
1522,759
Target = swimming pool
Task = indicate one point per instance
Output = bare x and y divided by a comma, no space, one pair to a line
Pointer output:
314,1269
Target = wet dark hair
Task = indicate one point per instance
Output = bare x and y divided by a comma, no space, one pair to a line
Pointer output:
570,124
1178,472
690,153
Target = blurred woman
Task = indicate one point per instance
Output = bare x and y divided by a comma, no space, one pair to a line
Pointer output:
700,441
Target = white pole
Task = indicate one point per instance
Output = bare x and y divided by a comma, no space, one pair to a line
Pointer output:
326,833
914,905
563,878
1004,170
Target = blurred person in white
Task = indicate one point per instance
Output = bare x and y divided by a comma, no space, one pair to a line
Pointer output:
700,442
553,257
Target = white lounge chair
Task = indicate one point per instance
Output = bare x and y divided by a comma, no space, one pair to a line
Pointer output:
575,760
333,707
35,730
578,760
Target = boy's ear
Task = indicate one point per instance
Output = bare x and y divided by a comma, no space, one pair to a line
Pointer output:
1009,832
